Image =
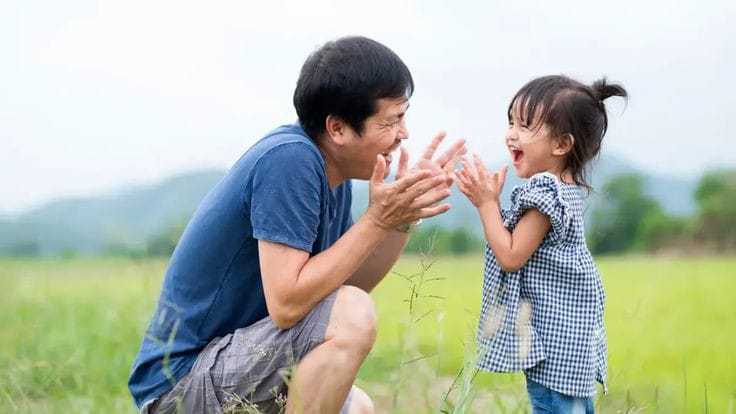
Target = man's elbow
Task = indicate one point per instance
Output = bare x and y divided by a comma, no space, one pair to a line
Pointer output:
284,316
283,321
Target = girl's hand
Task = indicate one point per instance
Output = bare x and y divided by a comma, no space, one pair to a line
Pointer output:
480,187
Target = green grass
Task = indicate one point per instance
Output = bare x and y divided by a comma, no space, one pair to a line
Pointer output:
70,331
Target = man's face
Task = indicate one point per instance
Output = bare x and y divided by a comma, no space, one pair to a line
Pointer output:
382,134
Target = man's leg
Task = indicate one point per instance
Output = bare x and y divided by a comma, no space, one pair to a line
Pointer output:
360,402
324,377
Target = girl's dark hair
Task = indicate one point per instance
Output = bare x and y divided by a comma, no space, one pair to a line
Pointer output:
567,106
345,78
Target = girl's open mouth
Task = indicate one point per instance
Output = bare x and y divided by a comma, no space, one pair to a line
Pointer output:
516,155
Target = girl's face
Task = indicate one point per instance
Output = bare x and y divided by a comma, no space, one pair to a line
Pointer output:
532,147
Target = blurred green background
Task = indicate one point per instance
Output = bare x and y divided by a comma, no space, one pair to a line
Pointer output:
71,329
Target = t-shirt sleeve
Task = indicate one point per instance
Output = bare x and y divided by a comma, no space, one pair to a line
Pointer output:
347,219
286,198
541,193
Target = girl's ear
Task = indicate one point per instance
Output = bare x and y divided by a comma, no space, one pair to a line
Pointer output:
563,145
335,129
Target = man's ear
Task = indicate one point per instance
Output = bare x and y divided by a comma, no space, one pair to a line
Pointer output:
335,129
563,145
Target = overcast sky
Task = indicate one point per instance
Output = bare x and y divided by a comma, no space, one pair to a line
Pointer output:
95,95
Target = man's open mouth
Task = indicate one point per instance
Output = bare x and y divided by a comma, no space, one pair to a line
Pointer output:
387,155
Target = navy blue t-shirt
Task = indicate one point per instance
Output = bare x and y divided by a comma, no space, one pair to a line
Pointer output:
277,191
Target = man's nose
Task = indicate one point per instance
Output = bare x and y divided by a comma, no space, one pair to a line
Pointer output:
403,133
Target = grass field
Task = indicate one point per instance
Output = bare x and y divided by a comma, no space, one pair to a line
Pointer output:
70,331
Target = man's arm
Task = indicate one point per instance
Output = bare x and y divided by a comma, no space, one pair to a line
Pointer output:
380,261
293,282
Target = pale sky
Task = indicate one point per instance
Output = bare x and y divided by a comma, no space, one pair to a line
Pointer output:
97,95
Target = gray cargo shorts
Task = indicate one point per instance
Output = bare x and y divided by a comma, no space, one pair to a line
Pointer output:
247,369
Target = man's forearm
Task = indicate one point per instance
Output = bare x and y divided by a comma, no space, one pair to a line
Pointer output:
331,268
379,262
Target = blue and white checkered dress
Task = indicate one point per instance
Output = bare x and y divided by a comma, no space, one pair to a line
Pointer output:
547,317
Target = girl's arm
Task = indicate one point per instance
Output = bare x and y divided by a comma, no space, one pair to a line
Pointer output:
512,250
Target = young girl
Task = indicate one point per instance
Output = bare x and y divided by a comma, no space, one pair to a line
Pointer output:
542,310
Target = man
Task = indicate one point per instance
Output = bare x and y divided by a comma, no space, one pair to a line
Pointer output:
269,281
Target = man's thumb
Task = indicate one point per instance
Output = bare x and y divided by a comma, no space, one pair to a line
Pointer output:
379,170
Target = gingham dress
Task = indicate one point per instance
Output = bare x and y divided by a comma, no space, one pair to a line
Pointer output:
546,319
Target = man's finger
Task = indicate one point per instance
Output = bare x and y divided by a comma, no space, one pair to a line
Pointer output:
379,170
410,179
457,148
433,211
450,166
449,179
429,199
423,186
403,163
432,147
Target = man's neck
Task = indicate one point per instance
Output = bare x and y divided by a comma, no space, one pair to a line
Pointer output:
334,178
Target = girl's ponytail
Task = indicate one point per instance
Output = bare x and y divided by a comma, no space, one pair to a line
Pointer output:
605,90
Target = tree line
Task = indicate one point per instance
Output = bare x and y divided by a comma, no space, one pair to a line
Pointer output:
627,219
624,219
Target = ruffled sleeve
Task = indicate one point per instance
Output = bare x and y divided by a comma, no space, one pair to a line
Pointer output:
543,192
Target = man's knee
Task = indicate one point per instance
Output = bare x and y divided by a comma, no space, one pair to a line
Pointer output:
353,320
360,402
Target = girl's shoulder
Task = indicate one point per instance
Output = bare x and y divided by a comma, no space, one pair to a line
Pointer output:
543,192
542,186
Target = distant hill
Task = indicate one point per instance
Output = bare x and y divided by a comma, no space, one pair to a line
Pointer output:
129,217
123,218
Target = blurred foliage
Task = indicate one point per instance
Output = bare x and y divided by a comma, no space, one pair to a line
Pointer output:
716,220
618,222
164,243
26,248
627,219
442,241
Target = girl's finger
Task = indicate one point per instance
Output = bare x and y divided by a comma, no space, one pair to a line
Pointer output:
504,170
482,172
462,178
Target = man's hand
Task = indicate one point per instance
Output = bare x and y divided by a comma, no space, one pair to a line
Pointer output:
442,165
412,196
445,163
478,185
